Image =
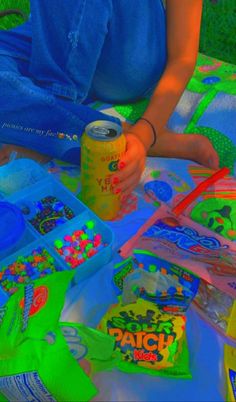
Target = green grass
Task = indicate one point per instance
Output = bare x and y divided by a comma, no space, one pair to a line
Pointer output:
218,38
11,21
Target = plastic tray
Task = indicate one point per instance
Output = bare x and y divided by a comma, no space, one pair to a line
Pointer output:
27,198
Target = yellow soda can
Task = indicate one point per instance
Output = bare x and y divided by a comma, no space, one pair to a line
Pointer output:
102,146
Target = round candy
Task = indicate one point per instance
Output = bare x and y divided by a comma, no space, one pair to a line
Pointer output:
80,245
49,212
58,243
90,224
27,268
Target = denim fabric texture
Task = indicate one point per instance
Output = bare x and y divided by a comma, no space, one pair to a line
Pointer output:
69,51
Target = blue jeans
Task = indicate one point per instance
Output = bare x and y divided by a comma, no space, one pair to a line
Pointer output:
32,117
70,51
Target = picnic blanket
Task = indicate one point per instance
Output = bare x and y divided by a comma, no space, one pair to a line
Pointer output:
208,106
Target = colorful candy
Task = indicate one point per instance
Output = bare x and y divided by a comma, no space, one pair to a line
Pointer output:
82,244
50,212
27,268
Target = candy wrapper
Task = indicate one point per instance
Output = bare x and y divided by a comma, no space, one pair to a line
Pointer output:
215,208
218,308
92,349
230,372
146,276
149,341
181,241
35,361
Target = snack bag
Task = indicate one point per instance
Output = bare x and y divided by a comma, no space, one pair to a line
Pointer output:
34,366
145,275
92,349
215,205
216,208
149,341
33,311
43,372
121,271
218,308
181,241
230,372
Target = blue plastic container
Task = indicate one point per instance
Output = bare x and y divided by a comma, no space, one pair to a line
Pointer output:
24,208
19,174
14,233
27,251
91,265
12,225
49,187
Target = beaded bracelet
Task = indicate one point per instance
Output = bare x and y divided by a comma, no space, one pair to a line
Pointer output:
153,130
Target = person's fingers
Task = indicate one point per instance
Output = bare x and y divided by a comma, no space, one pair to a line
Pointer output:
130,167
130,181
126,158
134,149
124,172
129,163
127,192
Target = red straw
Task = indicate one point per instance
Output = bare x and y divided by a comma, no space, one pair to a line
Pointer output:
179,208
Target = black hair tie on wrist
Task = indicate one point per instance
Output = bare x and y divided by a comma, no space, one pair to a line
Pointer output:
153,130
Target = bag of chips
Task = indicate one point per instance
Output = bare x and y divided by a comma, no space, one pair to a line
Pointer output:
35,360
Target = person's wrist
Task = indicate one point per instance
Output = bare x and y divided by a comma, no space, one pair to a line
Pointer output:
144,132
153,130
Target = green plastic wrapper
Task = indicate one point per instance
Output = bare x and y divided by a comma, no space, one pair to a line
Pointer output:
32,366
93,350
149,340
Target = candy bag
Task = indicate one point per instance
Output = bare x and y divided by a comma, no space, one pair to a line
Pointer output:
33,311
216,207
149,341
171,287
181,241
43,372
218,308
92,349
32,366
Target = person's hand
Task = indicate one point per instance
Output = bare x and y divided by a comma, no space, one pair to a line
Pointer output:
131,166
194,147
